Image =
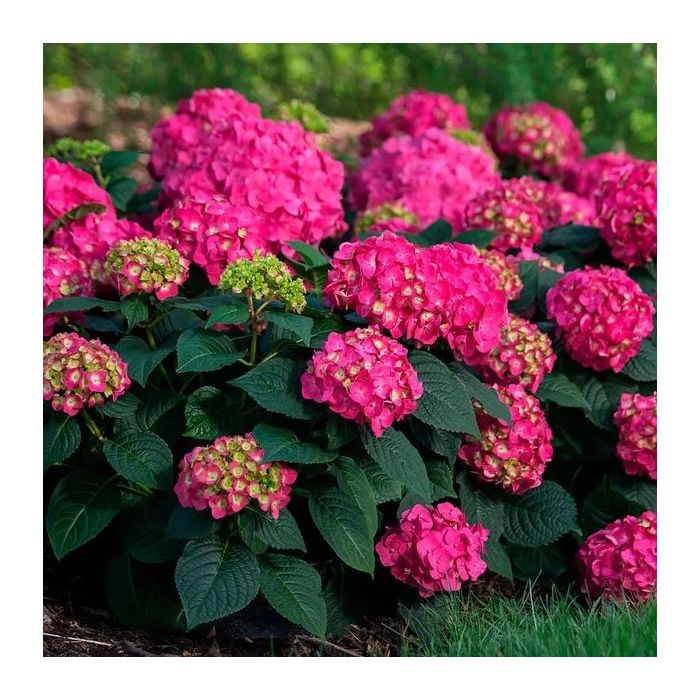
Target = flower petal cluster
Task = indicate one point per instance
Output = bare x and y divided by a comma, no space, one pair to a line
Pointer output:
585,177
227,475
80,372
523,356
363,376
635,418
434,549
514,456
602,316
541,137
620,560
146,265
432,175
507,272
626,205
64,276
543,262
413,114
392,217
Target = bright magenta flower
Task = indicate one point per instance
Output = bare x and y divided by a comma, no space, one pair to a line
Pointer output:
507,272
226,475
64,276
602,315
432,175
80,372
585,177
363,376
513,456
146,265
434,549
636,447
626,203
541,137
620,559
524,356
413,114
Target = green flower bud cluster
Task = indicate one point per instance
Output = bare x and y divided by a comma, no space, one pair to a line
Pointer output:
77,151
384,213
305,113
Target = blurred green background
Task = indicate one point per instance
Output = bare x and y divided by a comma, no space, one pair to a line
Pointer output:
608,89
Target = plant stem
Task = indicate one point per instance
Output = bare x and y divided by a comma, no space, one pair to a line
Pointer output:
92,426
253,330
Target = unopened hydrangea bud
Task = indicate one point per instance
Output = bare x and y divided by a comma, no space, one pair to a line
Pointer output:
620,560
514,456
635,418
227,475
75,150
394,217
146,265
264,277
434,549
80,372
306,113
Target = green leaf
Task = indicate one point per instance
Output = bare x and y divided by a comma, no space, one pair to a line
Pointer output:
559,389
385,487
535,562
208,414
441,442
299,326
114,161
235,312
135,309
573,237
275,385
601,410
201,350
480,508
340,431
485,395
121,191
141,457
642,367
439,231
637,490
282,533
190,524
313,257
528,273
342,525
143,533
155,407
293,588
540,516
61,439
480,237
140,359
283,445
497,559
215,577
322,328
81,506
398,458
125,405
444,404
68,304
441,477
353,481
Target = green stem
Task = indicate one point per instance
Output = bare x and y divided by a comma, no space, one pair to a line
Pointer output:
102,181
92,426
253,330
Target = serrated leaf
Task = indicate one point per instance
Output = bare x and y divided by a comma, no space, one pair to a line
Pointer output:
385,487
121,191
441,476
573,237
600,408
293,588
444,403
637,490
275,385
141,457
340,431
535,562
115,161
341,523
559,389
235,312
208,414
441,442
485,395
480,237
353,481
497,559
67,304
176,321
299,326
398,458
61,439
135,309
81,506
642,367
200,350
439,231
190,524
283,445
156,405
480,508
313,257
282,533
540,516
215,577
528,273
139,358
125,405
322,328
142,531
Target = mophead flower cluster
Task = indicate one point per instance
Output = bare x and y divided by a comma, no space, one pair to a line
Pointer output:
512,457
434,549
365,377
635,419
81,373
620,560
227,475
506,271
586,176
64,276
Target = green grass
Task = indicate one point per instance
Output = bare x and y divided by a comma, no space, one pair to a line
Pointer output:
555,625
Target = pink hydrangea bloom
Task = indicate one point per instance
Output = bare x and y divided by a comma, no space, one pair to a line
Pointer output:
81,373
620,559
507,272
175,139
432,175
541,137
636,447
230,473
602,315
413,114
146,265
585,177
513,456
626,204
434,549
64,276
524,356
513,209
363,376
66,187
